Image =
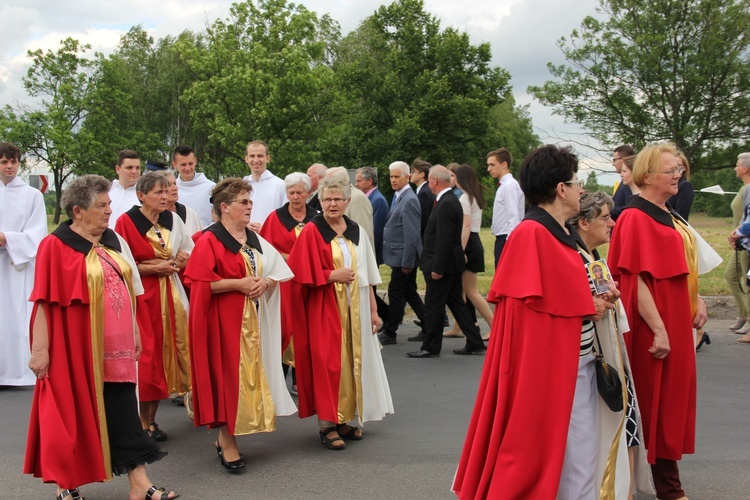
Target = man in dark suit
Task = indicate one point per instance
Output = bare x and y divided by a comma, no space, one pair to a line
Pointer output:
402,246
316,172
420,169
366,180
443,263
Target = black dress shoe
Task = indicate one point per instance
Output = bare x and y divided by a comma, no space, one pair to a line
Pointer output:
419,323
463,351
422,354
386,339
421,337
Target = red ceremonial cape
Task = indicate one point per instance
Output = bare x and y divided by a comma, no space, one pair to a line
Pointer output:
64,439
152,379
279,230
516,439
317,346
215,330
645,243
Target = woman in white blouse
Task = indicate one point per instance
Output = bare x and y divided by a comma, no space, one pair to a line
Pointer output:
472,202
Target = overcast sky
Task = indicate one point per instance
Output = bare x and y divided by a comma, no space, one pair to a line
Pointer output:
522,33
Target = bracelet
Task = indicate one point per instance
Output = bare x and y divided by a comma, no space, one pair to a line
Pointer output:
268,283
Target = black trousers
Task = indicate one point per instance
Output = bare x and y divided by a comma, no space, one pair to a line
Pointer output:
402,290
381,305
129,444
499,244
447,291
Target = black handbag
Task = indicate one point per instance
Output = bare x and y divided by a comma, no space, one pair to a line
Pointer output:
607,380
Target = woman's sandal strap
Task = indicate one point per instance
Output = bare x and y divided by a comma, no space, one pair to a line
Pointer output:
74,494
162,492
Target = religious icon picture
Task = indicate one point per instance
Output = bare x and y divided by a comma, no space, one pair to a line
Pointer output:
599,273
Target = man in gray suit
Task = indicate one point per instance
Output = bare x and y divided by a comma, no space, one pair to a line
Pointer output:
402,245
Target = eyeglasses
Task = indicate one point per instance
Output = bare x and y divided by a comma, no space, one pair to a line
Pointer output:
675,170
577,182
334,200
243,201
605,218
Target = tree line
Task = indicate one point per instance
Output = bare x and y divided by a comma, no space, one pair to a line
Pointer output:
399,86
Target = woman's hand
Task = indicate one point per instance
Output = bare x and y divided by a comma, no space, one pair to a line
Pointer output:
159,267
376,323
138,344
342,275
701,315
600,305
39,362
660,347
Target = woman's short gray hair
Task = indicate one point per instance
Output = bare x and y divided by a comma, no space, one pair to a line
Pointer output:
150,179
295,178
82,191
592,204
335,183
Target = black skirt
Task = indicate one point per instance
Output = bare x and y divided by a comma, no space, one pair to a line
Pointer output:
475,254
129,445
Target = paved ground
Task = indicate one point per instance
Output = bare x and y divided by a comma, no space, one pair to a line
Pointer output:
409,455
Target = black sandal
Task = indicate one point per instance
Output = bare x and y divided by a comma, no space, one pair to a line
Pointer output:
328,442
351,434
153,489
74,494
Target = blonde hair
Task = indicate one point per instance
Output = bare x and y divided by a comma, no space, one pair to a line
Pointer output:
648,160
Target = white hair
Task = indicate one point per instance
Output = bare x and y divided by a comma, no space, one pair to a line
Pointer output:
295,178
399,165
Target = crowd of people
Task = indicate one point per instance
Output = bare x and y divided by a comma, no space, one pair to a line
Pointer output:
167,283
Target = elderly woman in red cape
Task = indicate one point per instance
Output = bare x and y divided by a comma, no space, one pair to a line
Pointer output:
281,229
654,257
84,424
161,247
235,327
519,440
340,372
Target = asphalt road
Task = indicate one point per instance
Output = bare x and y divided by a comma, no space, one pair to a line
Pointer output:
409,455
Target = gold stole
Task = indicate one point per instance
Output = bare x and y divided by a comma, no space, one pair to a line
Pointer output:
95,281
287,356
350,381
691,256
175,352
255,408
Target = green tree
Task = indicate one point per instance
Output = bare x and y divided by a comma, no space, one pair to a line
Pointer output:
263,74
674,70
410,89
53,133
137,98
592,184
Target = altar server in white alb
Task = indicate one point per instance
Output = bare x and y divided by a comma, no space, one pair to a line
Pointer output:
194,187
122,193
23,224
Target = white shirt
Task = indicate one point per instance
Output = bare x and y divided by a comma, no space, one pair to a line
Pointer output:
196,194
441,193
472,209
508,209
122,201
267,195
23,219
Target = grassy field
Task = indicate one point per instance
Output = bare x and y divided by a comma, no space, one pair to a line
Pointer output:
714,230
